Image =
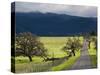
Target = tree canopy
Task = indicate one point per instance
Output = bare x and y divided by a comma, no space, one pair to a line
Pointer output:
29,45
72,45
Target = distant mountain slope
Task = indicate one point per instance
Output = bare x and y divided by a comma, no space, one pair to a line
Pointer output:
53,24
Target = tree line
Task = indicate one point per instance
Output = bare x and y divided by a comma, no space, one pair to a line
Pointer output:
28,44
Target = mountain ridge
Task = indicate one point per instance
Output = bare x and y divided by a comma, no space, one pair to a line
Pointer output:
52,24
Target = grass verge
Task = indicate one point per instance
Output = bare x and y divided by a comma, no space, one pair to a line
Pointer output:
67,64
93,56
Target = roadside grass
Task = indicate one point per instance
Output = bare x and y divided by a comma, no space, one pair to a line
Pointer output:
93,55
32,67
67,64
36,67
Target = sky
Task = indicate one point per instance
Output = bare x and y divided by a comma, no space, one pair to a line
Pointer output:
75,10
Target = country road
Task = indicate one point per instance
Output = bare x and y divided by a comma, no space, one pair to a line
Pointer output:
84,61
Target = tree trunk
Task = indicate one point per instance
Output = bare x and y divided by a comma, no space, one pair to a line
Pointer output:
73,52
30,58
89,44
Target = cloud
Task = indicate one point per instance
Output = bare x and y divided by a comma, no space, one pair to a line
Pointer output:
76,10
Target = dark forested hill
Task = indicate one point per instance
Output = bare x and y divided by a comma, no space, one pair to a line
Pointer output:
53,24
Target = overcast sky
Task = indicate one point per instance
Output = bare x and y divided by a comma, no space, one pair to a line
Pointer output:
76,10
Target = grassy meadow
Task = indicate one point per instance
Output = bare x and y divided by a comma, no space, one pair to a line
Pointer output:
54,46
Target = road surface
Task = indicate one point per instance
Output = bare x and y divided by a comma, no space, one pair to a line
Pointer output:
84,61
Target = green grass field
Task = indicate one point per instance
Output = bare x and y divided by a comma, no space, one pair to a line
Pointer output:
54,46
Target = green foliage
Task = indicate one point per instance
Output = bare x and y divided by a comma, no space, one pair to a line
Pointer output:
29,45
93,40
93,33
73,44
